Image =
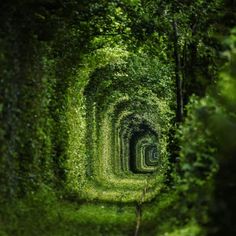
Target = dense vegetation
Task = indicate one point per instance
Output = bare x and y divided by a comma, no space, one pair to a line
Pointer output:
117,117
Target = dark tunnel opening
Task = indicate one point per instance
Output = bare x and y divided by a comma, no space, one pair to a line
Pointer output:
146,154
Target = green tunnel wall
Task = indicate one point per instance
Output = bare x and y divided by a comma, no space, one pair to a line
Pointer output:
105,161
87,103
77,143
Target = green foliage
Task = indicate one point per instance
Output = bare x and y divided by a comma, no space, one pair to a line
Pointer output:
191,229
87,104
207,141
101,108
198,155
42,213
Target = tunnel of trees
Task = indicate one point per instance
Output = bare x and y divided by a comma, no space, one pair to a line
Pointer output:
118,117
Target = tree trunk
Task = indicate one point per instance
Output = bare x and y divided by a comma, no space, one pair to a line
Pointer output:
178,79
